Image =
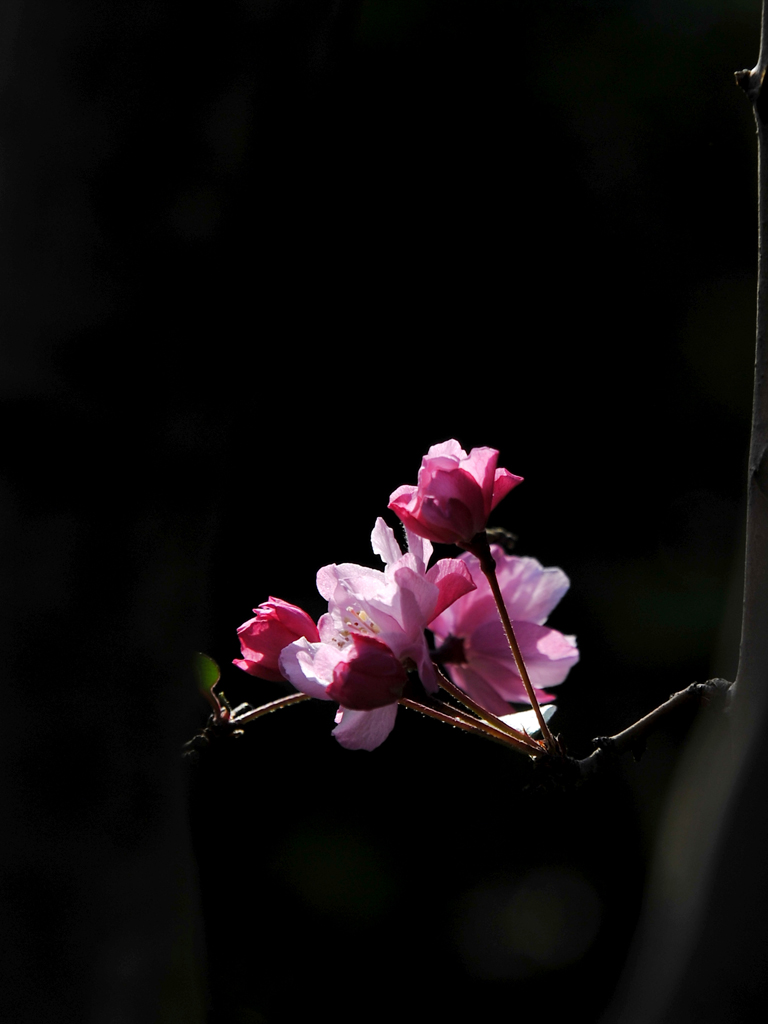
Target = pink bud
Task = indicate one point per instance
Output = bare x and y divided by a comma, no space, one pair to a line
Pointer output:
369,676
275,625
454,495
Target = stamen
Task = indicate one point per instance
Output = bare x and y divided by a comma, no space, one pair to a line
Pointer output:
362,622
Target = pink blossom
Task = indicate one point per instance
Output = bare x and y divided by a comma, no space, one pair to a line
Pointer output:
475,648
393,606
389,610
454,495
369,677
276,625
362,675
328,672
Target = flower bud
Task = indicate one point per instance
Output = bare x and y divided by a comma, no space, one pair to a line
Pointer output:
454,495
275,625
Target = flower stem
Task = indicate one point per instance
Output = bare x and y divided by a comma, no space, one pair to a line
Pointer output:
267,709
223,723
461,720
482,550
483,713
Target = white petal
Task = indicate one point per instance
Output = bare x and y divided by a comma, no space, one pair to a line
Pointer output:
526,721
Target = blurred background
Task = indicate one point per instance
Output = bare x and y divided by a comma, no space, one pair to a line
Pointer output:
262,256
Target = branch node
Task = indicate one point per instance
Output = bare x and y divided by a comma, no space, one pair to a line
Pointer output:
606,744
555,772
716,694
742,79
751,81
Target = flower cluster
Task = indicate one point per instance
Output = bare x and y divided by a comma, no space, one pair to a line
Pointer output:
360,652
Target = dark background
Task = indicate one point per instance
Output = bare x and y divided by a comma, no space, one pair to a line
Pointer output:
262,256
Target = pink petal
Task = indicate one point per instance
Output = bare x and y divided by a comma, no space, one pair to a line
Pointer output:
365,730
426,668
472,610
275,625
503,677
503,483
347,573
420,548
530,591
254,668
453,580
327,628
384,542
473,683
369,676
403,502
481,465
418,598
307,666
490,641
458,491
452,449
291,617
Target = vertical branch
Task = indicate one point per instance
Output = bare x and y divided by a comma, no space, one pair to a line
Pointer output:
752,674
707,895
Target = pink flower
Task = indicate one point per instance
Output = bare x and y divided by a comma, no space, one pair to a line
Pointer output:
368,677
454,495
475,649
372,632
330,672
363,675
275,625
393,606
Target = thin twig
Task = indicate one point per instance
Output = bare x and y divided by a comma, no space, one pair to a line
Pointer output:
633,736
267,709
460,720
482,550
482,712
223,724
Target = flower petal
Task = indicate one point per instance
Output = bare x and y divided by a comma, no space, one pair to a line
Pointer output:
473,683
309,667
384,542
365,730
503,483
275,625
536,590
452,578
526,721
420,548
368,676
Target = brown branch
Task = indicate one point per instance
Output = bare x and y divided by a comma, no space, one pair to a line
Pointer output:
223,724
635,735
